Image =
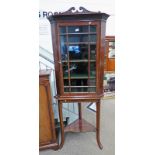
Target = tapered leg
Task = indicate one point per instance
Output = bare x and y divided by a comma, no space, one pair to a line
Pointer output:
98,124
80,111
61,124
80,116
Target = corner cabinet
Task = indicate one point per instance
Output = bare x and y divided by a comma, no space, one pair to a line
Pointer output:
78,38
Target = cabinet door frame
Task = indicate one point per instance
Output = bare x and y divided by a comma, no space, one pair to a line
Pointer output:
58,55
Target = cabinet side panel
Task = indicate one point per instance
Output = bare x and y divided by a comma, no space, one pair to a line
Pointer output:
102,54
56,54
45,134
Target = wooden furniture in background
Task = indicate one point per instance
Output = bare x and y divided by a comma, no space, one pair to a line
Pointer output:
47,133
78,43
109,64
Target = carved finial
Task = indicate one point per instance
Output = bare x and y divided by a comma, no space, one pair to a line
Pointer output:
84,10
72,10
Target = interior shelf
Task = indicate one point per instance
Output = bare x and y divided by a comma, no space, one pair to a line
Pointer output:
80,77
78,33
79,86
79,60
80,126
73,43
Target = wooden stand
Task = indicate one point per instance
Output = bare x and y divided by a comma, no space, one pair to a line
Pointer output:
80,125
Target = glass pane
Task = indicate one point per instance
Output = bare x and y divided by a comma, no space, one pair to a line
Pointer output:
63,49
66,90
92,52
62,29
81,89
92,82
79,69
65,70
92,69
92,28
78,51
77,29
92,38
78,38
66,82
63,39
77,55
79,82
92,89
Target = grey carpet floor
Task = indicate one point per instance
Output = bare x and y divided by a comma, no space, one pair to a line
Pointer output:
85,143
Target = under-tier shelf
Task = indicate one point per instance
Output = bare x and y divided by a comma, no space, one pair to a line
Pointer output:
80,126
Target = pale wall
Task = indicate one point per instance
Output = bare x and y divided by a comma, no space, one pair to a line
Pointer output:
106,6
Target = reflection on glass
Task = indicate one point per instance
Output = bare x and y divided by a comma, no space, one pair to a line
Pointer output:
92,38
63,49
65,69
92,69
78,38
79,69
93,52
77,29
78,51
92,28
62,29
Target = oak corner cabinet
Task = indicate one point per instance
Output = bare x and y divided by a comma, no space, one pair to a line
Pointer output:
78,38
47,132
